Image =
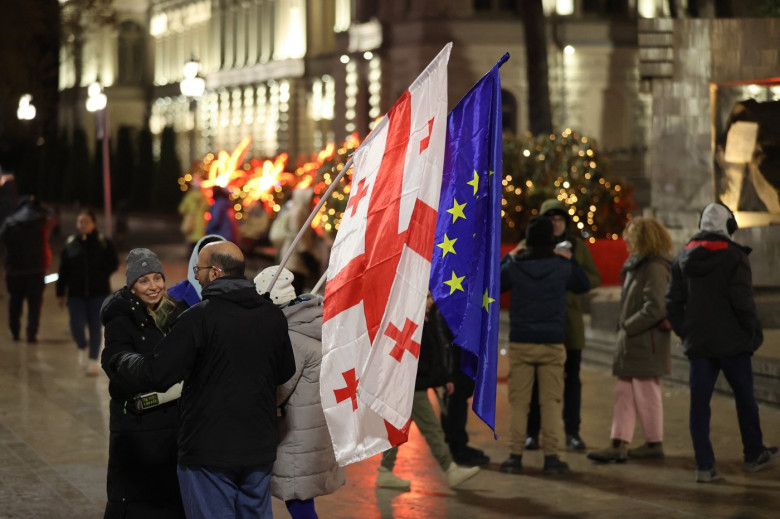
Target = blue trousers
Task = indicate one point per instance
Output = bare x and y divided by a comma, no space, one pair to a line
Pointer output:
739,374
301,508
242,492
85,313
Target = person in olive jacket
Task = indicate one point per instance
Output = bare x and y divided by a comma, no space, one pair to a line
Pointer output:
141,480
574,331
86,263
231,350
711,308
434,369
643,340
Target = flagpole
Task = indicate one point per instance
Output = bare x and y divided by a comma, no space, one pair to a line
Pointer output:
325,196
320,282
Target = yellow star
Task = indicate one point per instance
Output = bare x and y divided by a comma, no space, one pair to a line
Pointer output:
447,245
457,210
455,283
486,300
490,172
474,182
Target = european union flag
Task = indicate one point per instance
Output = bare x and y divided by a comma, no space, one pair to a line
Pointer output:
465,271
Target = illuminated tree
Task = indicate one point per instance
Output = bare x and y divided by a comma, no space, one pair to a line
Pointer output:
568,167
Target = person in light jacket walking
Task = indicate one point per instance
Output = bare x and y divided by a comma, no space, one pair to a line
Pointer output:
305,464
643,339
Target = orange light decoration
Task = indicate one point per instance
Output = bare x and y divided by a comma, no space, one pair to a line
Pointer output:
268,182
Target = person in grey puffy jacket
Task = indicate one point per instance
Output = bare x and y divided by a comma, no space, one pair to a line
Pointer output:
643,340
305,464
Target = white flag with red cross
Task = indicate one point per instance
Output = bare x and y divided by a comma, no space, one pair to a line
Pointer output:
378,273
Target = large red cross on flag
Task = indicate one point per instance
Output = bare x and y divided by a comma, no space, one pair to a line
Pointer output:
378,274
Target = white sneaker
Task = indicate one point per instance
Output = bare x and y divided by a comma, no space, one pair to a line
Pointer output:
386,479
457,474
82,356
92,369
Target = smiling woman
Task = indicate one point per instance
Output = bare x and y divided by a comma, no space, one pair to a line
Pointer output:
141,480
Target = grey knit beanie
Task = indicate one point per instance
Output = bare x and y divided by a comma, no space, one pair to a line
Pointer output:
141,262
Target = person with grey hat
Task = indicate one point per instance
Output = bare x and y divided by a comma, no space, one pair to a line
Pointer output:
711,308
141,480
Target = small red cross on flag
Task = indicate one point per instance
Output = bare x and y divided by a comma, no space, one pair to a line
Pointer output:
378,272
403,340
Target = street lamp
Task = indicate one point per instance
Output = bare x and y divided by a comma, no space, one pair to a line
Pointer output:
192,87
96,102
26,110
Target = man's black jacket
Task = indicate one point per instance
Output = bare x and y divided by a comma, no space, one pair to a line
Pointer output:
710,298
232,350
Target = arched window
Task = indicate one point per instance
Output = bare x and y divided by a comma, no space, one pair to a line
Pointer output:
131,54
508,112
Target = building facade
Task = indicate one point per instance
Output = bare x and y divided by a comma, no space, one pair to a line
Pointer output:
297,74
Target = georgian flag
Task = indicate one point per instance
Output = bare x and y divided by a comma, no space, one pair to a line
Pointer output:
378,272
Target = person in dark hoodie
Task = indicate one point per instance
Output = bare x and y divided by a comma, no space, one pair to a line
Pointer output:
231,350
574,331
711,308
539,278
24,237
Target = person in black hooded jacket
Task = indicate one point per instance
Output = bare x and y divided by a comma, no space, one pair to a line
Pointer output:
538,278
711,308
141,481
24,238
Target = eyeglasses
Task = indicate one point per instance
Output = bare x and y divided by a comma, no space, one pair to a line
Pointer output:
196,269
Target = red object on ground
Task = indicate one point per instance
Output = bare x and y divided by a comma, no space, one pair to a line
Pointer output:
608,255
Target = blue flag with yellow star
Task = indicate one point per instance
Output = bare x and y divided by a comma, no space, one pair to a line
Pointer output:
465,271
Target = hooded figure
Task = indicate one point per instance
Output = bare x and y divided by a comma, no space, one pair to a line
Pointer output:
710,306
538,278
305,464
188,290
710,298
574,329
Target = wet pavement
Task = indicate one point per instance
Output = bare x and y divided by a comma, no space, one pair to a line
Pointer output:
54,442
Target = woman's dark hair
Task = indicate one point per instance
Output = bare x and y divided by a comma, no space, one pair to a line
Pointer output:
87,212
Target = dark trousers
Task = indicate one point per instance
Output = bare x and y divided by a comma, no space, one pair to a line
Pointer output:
85,313
572,398
453,422
21,287
739,374
301,508
242,492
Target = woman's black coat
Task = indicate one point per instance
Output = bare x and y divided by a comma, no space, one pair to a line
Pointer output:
141,480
